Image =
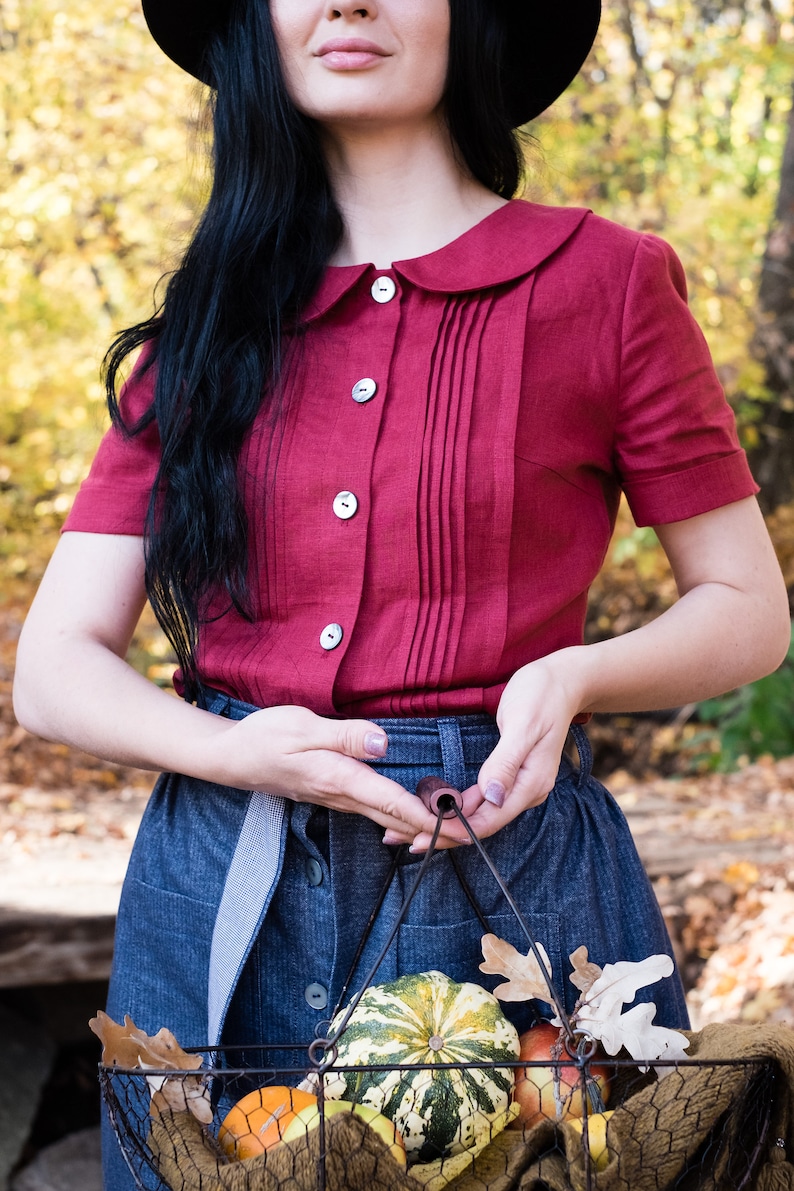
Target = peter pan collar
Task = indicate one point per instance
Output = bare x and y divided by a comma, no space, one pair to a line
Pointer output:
505,245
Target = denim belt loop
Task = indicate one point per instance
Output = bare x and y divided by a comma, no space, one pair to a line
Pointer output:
452,752
585,752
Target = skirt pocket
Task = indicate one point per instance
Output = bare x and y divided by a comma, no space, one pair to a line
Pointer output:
161,961
456,950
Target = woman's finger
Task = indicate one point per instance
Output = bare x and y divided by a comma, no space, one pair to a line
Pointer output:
300,730
348,785
345,784
358,738
500,771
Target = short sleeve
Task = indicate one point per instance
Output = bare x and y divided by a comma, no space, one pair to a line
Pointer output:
676,450
114,497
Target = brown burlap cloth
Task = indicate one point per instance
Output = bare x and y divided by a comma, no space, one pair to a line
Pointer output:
712,1127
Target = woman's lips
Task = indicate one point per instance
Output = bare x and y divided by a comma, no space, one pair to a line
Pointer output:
350,53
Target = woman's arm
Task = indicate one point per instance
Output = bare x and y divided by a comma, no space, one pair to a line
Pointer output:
730,626
72,684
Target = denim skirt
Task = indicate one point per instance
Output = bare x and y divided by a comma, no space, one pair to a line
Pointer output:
242,915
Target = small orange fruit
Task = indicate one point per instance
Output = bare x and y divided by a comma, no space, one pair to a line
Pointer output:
259,1120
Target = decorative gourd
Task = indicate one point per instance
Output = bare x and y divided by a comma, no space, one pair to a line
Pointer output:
428,1019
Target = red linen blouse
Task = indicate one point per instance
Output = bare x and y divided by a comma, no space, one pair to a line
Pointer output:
431,509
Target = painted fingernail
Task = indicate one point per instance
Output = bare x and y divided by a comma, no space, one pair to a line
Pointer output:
391,837
375,744
494,793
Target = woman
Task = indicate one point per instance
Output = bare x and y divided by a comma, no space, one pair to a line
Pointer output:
366,468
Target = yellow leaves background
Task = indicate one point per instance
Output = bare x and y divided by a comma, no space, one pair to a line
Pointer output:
97,196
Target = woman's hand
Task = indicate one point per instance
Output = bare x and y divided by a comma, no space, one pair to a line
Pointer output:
534,716
292,752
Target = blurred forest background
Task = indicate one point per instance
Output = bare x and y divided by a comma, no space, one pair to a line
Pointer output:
681,123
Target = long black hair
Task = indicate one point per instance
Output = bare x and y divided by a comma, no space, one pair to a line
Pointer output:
268,230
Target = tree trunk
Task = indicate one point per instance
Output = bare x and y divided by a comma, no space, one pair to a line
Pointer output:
772,459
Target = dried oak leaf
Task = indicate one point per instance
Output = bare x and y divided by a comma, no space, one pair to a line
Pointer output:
619,983
634,1031
585,973
119,1049
600,1013
161,1050
525,977
127,1046
183,1093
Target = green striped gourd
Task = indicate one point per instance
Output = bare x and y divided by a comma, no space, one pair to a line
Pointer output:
428,1018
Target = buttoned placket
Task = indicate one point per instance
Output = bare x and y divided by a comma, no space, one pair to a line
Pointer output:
345,504
315,993
336,511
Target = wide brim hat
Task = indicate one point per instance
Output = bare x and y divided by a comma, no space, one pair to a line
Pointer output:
546,45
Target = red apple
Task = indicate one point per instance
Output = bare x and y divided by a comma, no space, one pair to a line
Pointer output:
553,1090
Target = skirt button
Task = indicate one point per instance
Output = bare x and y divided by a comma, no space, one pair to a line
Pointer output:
316,995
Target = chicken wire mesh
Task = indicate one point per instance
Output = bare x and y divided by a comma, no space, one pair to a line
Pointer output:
702,1125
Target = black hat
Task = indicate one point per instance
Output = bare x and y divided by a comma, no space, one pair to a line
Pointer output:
547,42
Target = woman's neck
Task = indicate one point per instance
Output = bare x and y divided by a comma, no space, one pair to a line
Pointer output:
402,193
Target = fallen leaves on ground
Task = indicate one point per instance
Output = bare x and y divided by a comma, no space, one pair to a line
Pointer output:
720,849
749,976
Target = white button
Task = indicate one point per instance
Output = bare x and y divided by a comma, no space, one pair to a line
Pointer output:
345,505
316,996
331,636
365,390
383,289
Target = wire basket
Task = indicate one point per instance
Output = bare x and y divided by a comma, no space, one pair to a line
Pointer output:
686,1124
665,1134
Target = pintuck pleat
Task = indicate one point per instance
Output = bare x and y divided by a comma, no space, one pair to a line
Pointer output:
441,492
464,415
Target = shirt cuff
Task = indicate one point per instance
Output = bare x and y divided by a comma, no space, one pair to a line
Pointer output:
661,499
101,510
